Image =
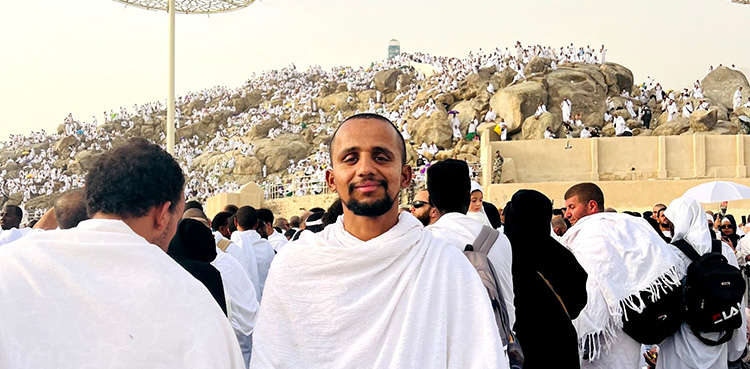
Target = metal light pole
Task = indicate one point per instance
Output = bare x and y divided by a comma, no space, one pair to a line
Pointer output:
187,7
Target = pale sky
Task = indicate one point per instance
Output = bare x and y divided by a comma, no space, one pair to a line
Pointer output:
88,56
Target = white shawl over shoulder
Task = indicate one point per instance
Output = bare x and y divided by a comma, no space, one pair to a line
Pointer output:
623,255
401,300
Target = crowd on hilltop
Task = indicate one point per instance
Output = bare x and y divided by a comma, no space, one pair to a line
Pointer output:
451,281
288,100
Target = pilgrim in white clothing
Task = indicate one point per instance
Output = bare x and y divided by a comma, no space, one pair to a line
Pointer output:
277,240
99,295
404,299
243,304
245,256
263,254
460,230
684,349
623,256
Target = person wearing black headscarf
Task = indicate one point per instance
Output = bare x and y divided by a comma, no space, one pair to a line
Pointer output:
194,248
549,285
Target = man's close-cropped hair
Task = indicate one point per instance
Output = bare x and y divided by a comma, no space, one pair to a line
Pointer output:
131,179
586,192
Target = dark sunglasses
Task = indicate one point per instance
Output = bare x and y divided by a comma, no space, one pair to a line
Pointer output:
418,204
725,226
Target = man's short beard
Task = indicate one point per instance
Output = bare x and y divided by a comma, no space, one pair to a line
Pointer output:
376,209
424,219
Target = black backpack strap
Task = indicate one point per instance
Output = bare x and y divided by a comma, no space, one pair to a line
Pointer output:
686,249
722,340
487,237
716,246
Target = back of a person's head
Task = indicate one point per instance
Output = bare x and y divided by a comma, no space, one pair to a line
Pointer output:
70,208
220,220
231,209
266,215
197,214
247,218
449,186
193,204
133,178
493,215
314,223
586,192
231,225
294,221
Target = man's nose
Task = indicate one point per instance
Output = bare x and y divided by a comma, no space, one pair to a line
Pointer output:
365,166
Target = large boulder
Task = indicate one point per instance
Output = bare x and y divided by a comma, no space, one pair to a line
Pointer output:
478,81
385,81
533,127
247,165
261,129
63,145
503,78
87,158
703,120
677,126
618,75
536,65
340,100
720,84
435,128
275,154
586,94
518,102
468,110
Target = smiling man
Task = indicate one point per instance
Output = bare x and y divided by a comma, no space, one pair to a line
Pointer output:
374,289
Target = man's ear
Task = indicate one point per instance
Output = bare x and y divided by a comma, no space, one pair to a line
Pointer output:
406,175
330,180
593,206
161,216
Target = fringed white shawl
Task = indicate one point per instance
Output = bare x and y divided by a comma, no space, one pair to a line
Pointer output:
401,300
623,256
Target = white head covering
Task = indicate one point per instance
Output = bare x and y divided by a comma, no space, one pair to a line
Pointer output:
475,186
480,215
690,223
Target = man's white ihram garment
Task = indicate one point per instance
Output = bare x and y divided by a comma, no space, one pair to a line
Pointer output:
277,240
404,299
459,230
684,349
245,240
242,300
101,296
263,250
623,256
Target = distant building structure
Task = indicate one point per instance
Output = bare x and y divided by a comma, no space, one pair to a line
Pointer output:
394,48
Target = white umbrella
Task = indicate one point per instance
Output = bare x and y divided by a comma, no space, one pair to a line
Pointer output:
718,191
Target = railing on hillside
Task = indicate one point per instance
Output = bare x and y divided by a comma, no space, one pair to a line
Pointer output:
298,186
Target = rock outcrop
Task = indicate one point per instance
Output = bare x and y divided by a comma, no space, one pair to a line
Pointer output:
720,84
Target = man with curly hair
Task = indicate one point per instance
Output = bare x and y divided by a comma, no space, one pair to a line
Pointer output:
105,292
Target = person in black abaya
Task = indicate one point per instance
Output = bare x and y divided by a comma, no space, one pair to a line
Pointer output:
548,282
194,248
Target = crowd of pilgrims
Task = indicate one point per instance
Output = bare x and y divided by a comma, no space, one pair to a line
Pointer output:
360,282
43,172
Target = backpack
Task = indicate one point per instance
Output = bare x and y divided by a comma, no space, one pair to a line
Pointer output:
477,255
659,319
713,293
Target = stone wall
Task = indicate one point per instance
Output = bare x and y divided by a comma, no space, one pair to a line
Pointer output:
622,158
638,195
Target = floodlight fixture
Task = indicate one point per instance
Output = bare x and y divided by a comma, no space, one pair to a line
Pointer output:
187,7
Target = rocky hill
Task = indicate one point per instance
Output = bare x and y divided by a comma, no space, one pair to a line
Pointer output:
271,125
